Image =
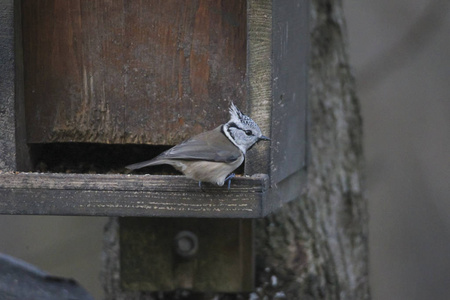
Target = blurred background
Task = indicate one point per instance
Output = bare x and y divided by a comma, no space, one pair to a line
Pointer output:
400,54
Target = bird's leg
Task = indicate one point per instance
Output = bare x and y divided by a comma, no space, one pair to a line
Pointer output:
229,177
200,186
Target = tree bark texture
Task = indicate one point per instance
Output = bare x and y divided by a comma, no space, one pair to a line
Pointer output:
316,246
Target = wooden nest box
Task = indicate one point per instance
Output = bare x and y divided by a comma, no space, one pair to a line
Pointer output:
88,87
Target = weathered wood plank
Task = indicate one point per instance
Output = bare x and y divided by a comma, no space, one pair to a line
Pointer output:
278,45
150,72
23,157
129,195
7,86
290,46
222,262
290,188
259,79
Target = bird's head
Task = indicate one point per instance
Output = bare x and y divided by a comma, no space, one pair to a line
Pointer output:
242,131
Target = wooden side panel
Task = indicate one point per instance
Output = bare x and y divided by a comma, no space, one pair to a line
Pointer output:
23,155
278,45
153,72
7,93
290,42
259,81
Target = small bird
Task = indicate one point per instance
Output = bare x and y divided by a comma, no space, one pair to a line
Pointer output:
212,155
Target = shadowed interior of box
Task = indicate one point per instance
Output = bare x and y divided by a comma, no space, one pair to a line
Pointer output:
98,158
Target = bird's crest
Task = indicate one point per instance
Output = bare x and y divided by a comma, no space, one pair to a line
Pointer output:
238,117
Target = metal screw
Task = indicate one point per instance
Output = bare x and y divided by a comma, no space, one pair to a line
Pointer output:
186,244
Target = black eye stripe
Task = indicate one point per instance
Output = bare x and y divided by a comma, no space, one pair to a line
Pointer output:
234,125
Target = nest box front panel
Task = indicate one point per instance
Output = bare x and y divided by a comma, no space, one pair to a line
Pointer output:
153,72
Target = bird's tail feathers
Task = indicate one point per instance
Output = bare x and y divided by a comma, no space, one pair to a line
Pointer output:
147,163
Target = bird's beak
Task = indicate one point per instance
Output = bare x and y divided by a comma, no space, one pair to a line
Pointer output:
264,138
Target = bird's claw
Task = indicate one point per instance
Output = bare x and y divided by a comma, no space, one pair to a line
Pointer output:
229,177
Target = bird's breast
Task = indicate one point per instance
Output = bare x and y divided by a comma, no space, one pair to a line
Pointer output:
209,171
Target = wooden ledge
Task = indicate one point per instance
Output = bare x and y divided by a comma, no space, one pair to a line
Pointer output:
129,195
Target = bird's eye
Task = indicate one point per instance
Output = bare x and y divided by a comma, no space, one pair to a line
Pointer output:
248,132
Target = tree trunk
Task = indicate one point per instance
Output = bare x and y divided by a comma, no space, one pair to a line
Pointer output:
314,247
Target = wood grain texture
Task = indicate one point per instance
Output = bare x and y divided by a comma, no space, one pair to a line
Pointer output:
152,72
23,153
223,261
129,195
261,83
278,45
290,53
7,87
259,79
315,247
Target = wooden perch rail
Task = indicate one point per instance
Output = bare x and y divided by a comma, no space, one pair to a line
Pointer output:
129,195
